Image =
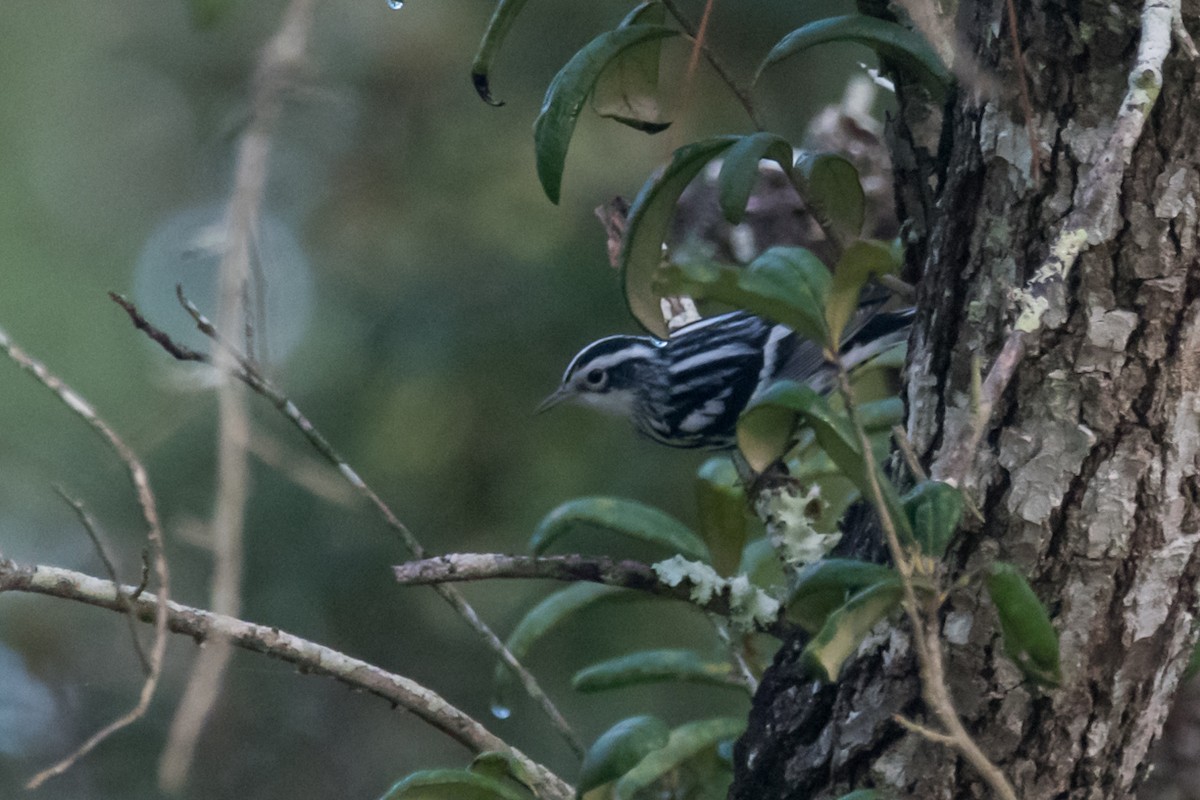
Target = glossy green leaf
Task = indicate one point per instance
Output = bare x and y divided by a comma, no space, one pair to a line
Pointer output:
768,425
761,564
619,749
846,627
627,90
823,587
625,517
785,284
569,91
934,509
543,618
1029,638
860,260
832,191
739,170
654,666
724,523
648,224
862,794
907,50
686,742
454,784
503,17
767,429
503,767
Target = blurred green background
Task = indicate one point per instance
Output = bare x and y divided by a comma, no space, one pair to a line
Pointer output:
444,296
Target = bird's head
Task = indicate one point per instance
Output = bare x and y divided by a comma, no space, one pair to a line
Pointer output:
608,375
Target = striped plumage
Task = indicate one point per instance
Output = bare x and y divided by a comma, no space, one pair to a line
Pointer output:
688,390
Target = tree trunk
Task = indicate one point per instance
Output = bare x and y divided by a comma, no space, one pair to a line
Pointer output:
1088,476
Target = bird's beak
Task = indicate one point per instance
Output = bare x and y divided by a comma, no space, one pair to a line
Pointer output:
560,395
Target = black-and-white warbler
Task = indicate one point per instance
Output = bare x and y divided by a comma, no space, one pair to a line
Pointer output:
688,390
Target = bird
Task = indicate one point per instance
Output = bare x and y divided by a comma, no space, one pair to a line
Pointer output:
688,390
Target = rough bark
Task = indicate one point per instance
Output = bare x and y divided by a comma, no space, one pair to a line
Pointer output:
1089,477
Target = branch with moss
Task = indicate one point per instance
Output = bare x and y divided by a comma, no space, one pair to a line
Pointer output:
310,657
677,579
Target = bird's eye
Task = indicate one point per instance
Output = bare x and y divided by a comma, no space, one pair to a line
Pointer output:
595,378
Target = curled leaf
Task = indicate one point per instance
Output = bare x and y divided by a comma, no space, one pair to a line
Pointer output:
554,126
907,50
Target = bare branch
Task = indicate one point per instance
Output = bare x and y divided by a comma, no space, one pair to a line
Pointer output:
281,61
313,658
249,375
149,507
93,532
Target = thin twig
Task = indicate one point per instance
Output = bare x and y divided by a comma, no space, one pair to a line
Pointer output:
281,60
924,621
1035,148
149,508
742,94
625,574
312,658
252,378
93,532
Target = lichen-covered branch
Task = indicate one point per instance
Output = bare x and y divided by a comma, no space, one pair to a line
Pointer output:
675,578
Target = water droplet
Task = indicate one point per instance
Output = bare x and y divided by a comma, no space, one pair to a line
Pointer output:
395,5
498,711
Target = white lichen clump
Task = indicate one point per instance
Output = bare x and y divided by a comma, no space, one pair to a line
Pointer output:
750,607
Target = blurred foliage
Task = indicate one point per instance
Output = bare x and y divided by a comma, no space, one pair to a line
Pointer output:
447,294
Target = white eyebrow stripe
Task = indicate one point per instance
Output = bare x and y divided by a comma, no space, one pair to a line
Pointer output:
624,354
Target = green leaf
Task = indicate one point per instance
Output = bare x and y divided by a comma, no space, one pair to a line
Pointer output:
568,92
497,28
907,50
454,784
627,90
626,517
619,749
648,223
823,586
722,505
845,628
503,767
767,429
934,509
862,794
543,618
739,170
687,742
784,284
1029,638
860,260
654,666
832,190
761,564
1193,665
